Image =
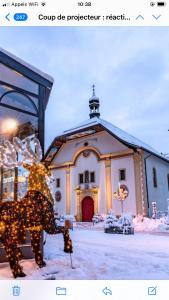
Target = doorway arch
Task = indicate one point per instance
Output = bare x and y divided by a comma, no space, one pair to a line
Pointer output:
87,209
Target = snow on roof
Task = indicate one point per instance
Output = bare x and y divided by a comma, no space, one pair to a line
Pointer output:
29,66
117,132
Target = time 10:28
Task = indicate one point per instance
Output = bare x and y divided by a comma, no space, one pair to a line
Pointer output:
84,4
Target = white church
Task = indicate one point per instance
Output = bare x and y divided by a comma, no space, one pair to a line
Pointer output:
91,160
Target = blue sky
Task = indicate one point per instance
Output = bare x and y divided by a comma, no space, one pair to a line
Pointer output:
129,66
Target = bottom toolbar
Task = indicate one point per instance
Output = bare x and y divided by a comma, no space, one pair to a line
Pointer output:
79,289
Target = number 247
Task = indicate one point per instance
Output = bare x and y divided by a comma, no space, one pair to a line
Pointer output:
84,4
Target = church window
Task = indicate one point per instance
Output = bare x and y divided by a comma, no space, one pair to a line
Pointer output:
154,177
92,177
122,174
86,174
57,182
81,179
168,181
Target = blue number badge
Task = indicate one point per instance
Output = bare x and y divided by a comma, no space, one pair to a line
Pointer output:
20,17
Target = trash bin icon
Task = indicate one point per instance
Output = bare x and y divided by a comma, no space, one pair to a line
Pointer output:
16,290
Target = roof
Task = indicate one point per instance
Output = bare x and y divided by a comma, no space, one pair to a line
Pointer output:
28,71
124,137
27,65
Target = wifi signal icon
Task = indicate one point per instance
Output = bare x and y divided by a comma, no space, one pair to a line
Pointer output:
43,3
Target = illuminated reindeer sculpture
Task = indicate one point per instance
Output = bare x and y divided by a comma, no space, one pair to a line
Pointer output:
34,212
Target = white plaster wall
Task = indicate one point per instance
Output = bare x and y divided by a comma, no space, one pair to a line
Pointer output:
130,202
86,164
161,193
90,164
104,142
61,206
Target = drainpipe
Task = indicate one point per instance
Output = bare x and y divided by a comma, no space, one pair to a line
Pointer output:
147,192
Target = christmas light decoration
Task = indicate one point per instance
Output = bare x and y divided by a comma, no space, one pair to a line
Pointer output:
9,152
34,212
154,210
37,180
121,194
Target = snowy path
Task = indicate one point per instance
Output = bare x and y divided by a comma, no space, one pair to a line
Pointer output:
102,256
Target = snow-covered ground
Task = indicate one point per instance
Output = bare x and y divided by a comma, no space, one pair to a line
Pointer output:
150,225
102,256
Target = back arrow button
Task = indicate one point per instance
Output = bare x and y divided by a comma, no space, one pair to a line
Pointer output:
107,291
7,17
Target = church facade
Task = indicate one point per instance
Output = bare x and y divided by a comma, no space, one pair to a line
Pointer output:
93,160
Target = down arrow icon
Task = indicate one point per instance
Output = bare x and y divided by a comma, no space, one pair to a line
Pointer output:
156,17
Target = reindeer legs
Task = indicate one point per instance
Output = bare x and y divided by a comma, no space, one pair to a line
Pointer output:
35,242
13,258
68,248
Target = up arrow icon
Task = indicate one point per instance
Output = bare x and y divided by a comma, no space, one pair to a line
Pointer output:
140,17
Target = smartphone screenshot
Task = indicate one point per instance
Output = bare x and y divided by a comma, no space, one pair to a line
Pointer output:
84,150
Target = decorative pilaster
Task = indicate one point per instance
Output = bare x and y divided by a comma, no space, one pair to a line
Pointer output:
138,184
68,205
108,184
95,196
143,185
78,204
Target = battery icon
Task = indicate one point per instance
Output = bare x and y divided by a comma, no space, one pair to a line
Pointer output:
161,3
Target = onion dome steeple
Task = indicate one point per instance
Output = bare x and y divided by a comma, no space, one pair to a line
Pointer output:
94,105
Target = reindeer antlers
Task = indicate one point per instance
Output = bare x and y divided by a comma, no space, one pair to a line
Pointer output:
11,152
38,149
8,155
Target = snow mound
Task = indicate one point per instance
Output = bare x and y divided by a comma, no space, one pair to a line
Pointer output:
150,225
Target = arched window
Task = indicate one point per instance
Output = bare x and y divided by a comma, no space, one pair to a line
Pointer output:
19,101
154,177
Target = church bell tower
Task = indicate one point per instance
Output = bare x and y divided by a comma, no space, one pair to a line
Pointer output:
94,105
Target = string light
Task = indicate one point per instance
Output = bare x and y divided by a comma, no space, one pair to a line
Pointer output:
33,213
37,179
121,194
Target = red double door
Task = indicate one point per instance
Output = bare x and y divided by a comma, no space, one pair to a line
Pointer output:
87,209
